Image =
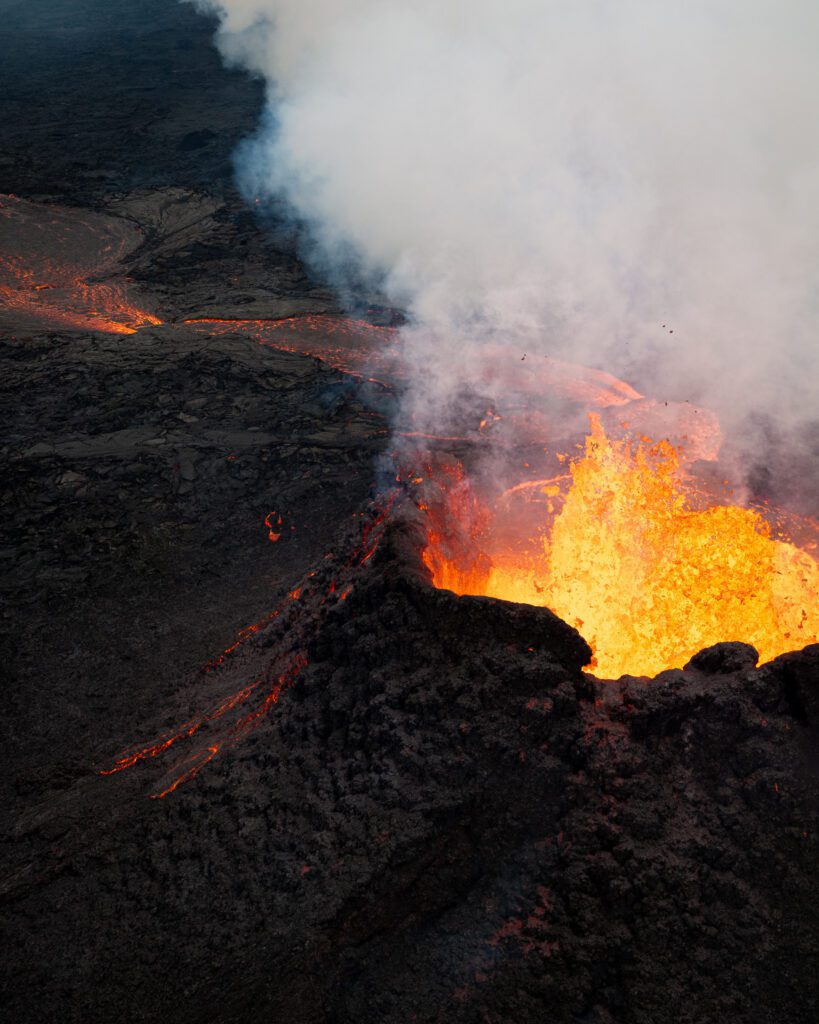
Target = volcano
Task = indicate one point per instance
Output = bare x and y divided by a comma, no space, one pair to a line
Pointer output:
395,793
321,709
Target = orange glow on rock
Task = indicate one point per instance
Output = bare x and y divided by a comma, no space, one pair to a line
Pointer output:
626,549
341,342
274,526
228,720
61,268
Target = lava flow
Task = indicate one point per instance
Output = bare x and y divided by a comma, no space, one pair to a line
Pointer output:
353,346
233,716
626,548
59,268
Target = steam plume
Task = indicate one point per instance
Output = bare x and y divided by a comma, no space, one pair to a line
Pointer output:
565,176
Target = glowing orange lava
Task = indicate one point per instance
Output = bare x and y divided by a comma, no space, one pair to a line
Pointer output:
76,306
229,719
353,346
62,268
625,548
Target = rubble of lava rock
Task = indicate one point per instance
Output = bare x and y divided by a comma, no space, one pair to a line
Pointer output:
438,817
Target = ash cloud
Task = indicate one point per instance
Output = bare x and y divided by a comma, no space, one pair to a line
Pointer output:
633,185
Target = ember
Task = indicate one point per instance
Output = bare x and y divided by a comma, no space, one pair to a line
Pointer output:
627,549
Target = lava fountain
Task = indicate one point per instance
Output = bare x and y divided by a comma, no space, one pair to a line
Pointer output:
622,539
627,547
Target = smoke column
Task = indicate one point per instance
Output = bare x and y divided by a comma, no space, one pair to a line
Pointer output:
574,177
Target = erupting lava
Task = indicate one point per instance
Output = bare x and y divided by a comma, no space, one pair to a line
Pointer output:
626,548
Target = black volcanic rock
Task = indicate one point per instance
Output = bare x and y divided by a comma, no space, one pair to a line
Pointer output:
100,95
724,658
138,471
441,819
800,672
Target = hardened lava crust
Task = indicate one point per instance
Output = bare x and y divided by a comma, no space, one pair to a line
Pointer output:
440,817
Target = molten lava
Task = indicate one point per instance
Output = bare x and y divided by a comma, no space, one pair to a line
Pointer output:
626,548
62,268
353,346
233,716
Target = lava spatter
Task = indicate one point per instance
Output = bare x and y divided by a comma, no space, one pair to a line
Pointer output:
628,550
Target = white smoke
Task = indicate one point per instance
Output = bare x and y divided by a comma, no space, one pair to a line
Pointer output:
574,177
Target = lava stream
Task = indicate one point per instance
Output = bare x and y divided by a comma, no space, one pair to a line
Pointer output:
60,268
232,717
353,346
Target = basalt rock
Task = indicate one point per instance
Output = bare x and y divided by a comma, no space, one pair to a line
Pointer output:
441,818
724,658
800,672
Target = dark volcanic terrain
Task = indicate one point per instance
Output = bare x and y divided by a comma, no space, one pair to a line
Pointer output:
385,803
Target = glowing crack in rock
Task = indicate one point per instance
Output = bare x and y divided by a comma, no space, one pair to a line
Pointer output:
230,718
